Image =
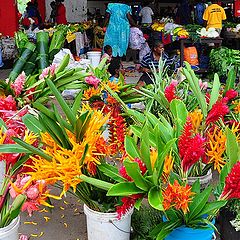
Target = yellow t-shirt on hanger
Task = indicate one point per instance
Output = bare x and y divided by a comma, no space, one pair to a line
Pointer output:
214,14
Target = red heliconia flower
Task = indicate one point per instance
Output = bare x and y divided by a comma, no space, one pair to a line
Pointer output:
141,165
191,148
232,183
231,94
219,110
170,92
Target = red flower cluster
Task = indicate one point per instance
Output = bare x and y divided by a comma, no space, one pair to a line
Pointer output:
141,165
177,196
127,204
117,130
170,92
191,148
232,183
231,94
219,110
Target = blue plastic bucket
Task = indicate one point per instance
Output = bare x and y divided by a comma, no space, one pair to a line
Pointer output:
184,233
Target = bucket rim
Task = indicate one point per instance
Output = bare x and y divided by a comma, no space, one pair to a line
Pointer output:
15,223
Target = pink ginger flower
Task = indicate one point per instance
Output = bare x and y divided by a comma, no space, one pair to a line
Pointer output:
92,80
231,94
203,85
18,84
49,70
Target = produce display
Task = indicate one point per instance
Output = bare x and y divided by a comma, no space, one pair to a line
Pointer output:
221,59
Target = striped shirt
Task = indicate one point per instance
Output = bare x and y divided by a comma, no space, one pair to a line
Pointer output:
148,60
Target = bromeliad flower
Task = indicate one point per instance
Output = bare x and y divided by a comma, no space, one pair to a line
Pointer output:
170,92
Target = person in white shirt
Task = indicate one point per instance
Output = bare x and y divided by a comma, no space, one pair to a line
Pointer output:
146,13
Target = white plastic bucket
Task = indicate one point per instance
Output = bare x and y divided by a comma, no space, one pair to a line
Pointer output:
106,226
10,232
95,57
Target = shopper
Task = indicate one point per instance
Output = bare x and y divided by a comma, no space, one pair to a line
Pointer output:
118,18
152,60
146,13
53,12
115,68
214,15
199,10
61,12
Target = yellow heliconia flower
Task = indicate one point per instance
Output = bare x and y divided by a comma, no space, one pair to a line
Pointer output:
2,136
216,147
168,166
196,119
153,156
66,165
237,107
29,137
113,85
236,129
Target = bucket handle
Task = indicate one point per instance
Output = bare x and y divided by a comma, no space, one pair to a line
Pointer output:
214,237
118,227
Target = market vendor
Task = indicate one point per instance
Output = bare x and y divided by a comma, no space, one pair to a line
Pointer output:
152,59
214,15
61,12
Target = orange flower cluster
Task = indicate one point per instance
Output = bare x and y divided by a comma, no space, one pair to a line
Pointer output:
216,147
167,168
237,107
91,92
177,196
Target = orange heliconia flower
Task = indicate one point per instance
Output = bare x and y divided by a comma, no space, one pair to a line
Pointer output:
153,156
91,92
196,119
236,130
216,147
177,196
113,85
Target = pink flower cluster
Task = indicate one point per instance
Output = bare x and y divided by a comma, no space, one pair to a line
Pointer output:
34,192
49,70
191,148
92,80
18,84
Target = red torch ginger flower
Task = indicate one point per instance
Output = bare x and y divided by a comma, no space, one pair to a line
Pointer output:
191,148
8,103
231,94
219,110
232,183
92,80
170,92
18,84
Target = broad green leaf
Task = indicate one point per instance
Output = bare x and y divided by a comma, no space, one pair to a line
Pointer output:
223,174
131,147
124,189
155,198
63,64
230,80
198,203
211,207
232,149
134,172
12,148
3,124
96,182
66,109
44,110
17,205
32,123
77,103
215,91
32,149
111,172
196,187
145,148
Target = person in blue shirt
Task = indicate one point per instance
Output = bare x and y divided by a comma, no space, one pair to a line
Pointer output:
152,59
199,10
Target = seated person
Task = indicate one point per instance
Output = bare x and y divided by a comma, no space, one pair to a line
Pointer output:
115,68
107,53
152,59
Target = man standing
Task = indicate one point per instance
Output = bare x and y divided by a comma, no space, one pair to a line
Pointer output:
214,15
146,13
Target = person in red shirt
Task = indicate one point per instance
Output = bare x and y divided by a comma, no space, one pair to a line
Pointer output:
61,12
